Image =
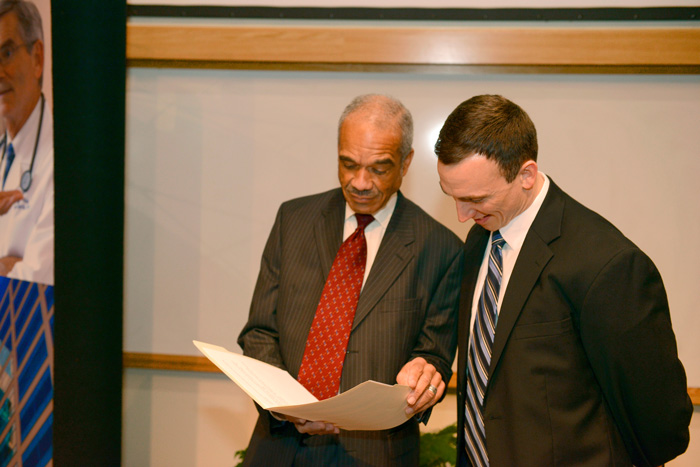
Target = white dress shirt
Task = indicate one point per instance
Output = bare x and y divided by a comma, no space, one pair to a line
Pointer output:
27,229
514,234
374,232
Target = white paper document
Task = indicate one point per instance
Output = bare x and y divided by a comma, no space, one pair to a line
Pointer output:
368,406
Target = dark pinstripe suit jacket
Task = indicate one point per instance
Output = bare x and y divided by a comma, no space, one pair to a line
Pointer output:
407,309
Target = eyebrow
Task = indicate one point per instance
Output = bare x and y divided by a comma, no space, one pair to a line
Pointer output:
472,199
386,161
466,199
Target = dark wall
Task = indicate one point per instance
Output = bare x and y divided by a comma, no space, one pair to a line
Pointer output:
89,43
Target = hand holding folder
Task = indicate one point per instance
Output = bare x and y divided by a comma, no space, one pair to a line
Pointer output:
367,406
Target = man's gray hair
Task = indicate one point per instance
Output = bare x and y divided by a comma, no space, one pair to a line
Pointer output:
29,21
391,111
30,28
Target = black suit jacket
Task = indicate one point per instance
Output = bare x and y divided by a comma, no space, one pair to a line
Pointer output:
584,368
407,309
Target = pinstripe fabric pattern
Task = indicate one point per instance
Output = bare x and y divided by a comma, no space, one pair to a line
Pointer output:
480,355
407,309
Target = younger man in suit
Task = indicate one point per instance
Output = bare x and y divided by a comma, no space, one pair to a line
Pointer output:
398,322
567,356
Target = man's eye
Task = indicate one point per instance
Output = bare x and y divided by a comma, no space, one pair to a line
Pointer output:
6,54
377,171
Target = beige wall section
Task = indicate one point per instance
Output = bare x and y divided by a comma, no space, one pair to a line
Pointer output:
212,153
180,419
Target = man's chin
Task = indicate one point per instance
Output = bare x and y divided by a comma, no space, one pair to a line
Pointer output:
368,207
364,209
5,107
487,222
363,204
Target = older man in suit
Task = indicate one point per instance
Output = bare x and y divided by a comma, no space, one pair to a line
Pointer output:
397,315
567,356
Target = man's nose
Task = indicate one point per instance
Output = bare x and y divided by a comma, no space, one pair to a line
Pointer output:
362,180
464,211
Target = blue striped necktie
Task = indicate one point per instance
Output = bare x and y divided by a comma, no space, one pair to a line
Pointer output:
10,156
479,358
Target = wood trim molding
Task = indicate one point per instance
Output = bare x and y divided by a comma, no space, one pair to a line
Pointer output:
168,362
149,45
202,364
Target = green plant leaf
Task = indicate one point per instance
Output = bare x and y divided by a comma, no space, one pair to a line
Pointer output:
439,449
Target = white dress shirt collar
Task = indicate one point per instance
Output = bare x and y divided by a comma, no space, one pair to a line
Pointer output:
515,232
374,232
381,217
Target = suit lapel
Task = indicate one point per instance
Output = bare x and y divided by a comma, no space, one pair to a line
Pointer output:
393,256
534,256
328,232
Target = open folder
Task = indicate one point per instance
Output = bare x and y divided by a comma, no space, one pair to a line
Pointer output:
368,406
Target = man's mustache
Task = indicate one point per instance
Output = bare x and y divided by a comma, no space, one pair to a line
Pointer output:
361,193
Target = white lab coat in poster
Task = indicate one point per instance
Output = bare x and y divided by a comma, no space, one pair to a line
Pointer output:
27,229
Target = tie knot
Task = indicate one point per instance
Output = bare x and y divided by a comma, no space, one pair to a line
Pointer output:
497,240
10,153
363,220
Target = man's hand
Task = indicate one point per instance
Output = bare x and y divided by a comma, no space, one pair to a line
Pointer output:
309,427
425,382
7,263
7,199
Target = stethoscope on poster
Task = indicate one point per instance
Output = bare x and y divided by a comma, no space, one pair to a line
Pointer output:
26,180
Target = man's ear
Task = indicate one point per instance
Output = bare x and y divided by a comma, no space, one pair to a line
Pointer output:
406,163
38,58
528,174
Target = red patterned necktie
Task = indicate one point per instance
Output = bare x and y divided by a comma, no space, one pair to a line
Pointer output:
323,359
